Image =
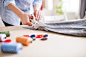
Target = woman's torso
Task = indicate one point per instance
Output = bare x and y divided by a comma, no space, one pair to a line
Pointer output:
10,17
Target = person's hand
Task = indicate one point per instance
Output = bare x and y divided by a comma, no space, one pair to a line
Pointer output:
37,14
25,19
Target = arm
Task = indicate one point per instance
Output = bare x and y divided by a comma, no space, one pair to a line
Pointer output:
16,10
36,7
37,4
23,16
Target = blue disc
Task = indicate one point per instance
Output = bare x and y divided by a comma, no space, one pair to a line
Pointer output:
45,35
32,36
11,47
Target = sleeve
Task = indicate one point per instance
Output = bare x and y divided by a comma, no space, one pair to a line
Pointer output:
7,2
37,2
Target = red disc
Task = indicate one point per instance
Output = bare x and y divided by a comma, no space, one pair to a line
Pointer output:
8,40
39,36
26,35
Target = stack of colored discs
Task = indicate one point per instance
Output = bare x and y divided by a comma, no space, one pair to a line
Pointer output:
6,32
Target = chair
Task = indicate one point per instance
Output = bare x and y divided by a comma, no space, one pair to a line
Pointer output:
55,18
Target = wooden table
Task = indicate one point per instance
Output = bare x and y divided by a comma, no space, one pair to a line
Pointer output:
57,45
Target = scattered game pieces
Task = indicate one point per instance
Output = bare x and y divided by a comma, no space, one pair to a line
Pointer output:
34,39
43,39
26,35
39,36
8,47
45,35
8,40
11,47
6,32
2,37
23,40
32,36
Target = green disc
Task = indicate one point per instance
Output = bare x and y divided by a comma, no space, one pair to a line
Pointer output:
6,32
34,39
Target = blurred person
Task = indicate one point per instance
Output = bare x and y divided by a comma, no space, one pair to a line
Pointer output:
14,11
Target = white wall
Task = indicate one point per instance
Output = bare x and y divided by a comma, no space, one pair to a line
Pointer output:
48,8
71,6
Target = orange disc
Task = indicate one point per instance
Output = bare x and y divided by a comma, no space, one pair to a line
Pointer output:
23,40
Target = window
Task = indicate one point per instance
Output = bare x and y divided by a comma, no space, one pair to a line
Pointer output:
71,5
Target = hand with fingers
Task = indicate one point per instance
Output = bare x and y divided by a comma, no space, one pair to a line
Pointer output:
37,14
25,19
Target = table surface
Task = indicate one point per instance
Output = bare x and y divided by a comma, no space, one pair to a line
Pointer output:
57,45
